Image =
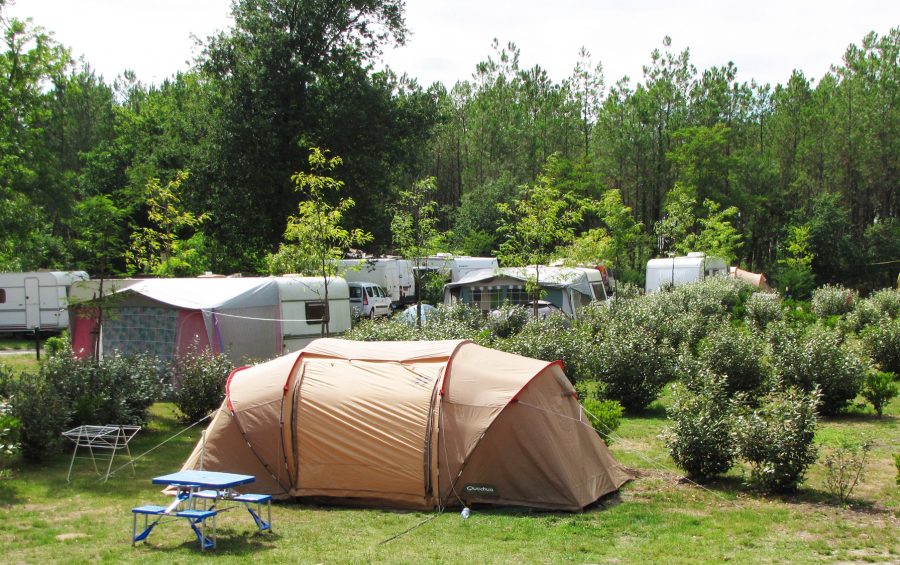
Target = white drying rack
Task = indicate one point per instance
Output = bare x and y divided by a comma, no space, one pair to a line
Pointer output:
110,437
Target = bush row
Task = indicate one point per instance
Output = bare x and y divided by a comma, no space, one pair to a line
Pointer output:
67,392
774,432
632,347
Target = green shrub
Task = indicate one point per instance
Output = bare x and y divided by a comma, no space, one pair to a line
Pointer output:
119,390
137,382
198,382
508,320
863,315
776,438
627,291
795,282
700,436
879,389
686,313
9,435
887,301
763,308
833,300
6,381
68,392
844,468
819,358
549,339
43,413
57,344
798,313
629,354
605,415
456,322
882,343
391,329
897,464
738,355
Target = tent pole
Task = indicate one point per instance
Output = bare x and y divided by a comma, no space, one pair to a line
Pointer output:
202,447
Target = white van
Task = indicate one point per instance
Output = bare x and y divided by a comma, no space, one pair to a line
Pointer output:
368,300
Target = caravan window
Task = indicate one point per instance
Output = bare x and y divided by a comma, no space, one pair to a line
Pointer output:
518,295
315,311
2,296
599,290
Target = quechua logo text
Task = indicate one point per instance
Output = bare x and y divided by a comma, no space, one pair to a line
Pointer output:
482,490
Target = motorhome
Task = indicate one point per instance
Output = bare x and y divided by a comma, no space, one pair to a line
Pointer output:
676,271
392,274
36,301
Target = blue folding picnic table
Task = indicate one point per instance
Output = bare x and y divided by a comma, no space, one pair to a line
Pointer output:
192,486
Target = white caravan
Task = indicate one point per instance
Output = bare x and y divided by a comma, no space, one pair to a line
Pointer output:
36,301
303,305
457,267
676,271
246,317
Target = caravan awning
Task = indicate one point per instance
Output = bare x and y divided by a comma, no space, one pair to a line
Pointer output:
548,277
209,294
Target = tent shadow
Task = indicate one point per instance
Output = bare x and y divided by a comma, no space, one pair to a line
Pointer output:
326,505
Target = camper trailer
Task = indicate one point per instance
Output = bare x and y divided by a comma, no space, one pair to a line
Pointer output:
36,301
393,275
303,306
457,267
676,271
246,318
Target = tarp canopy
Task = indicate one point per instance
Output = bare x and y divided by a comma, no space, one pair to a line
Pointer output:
410,424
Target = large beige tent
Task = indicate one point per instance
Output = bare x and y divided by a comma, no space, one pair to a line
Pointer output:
410,424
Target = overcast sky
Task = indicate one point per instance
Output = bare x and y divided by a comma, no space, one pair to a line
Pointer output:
766,39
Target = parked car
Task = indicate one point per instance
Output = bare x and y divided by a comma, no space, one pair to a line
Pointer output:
369,300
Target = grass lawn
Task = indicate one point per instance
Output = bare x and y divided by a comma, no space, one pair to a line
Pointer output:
658,517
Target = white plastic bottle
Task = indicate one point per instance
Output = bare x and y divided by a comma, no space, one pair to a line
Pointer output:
465,513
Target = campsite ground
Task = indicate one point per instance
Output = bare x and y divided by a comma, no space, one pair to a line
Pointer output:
657,517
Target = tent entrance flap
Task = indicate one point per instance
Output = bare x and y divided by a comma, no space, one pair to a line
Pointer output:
361,430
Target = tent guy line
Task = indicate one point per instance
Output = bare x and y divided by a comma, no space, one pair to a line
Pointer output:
215,313
160,444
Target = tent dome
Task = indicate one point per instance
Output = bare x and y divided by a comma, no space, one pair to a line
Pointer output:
410,424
